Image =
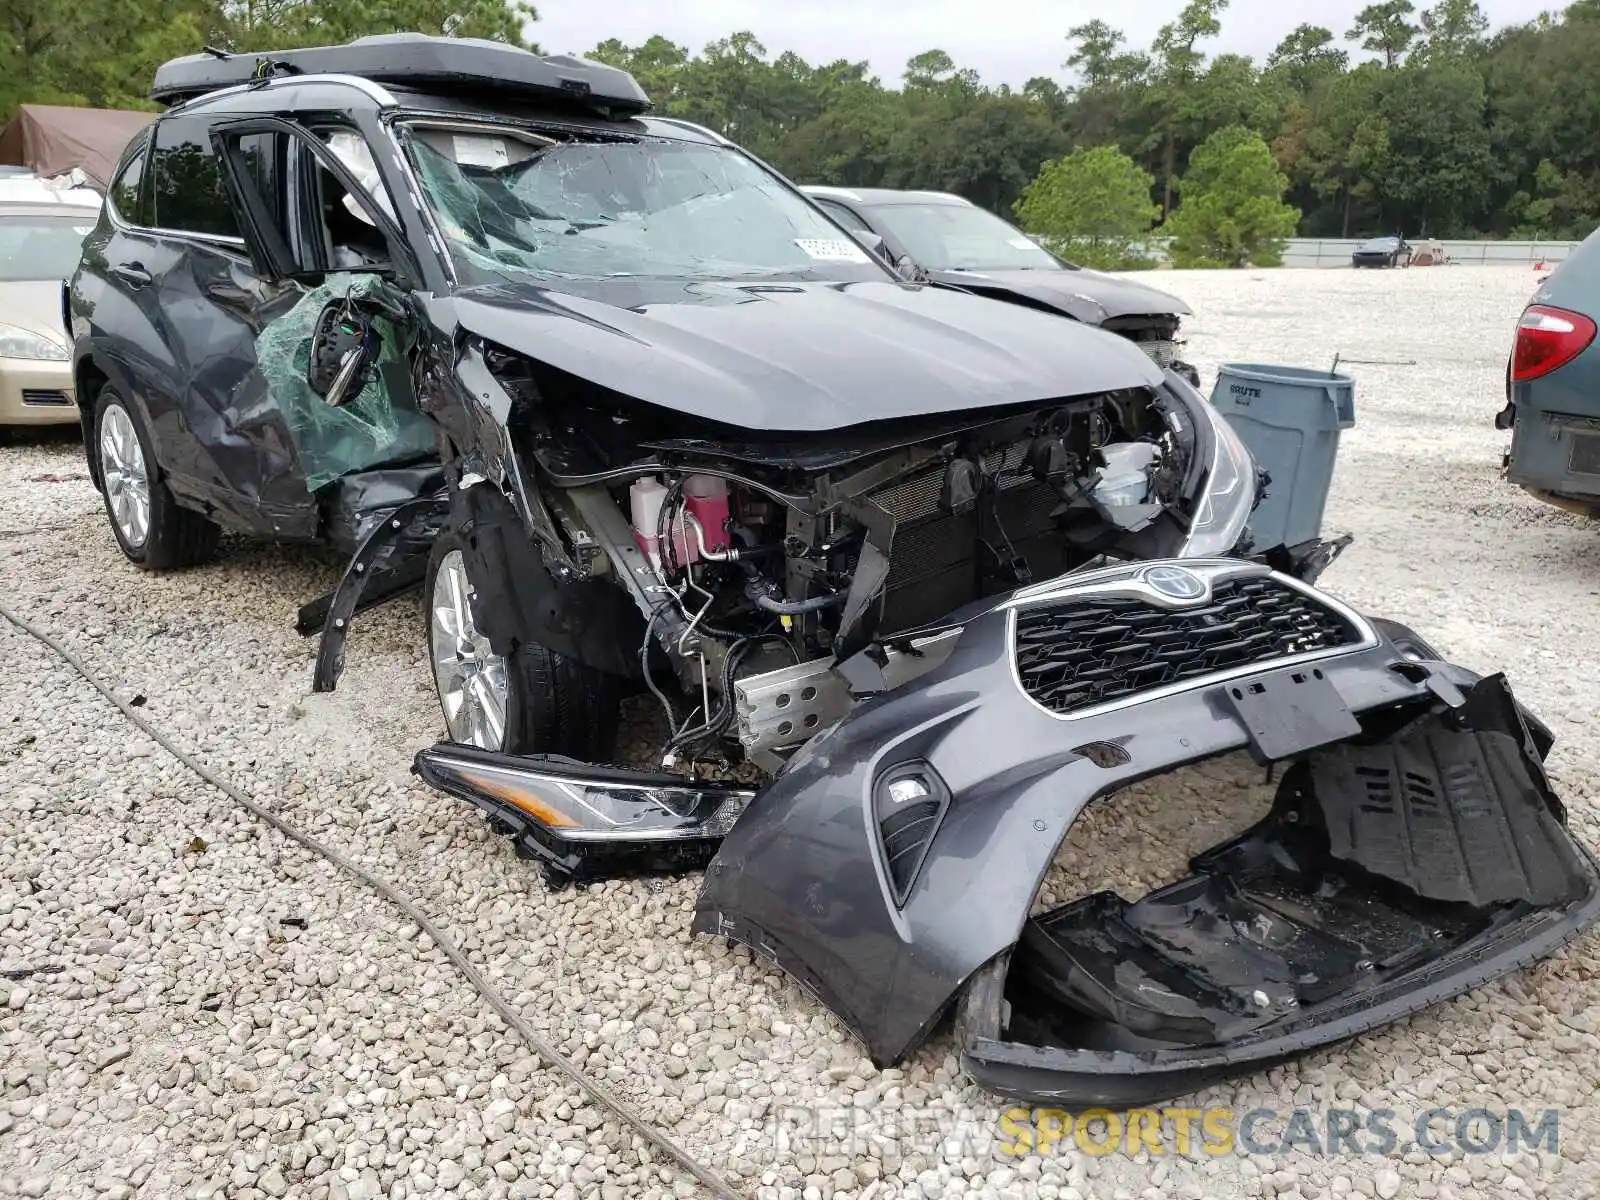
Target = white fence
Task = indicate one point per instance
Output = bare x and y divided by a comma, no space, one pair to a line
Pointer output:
1335,252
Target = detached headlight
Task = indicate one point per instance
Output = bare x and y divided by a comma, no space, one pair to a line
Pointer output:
586,804
17,342
1230,490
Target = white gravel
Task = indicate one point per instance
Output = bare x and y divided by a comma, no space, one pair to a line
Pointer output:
193,1007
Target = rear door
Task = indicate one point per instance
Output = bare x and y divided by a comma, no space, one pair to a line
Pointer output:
222,441
110,307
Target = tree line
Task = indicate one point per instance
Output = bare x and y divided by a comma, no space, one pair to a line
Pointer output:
1414,120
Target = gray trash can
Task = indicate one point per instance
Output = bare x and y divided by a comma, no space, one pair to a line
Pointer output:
1290,418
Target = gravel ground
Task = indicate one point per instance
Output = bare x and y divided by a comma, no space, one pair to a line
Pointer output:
192,1006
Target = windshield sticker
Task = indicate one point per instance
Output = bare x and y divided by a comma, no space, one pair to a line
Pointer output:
832,250
487,152
1022,244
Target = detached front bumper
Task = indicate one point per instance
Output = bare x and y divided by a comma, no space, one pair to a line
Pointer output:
1414,850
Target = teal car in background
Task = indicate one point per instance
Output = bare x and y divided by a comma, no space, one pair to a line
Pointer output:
1553,388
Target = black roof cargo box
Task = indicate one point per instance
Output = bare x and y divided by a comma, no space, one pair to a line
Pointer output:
414,60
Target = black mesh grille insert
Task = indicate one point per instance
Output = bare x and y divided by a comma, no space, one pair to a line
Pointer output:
1079,653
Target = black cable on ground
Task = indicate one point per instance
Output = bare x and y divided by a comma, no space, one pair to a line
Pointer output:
595,1090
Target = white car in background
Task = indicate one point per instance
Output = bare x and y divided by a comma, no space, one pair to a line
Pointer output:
40,244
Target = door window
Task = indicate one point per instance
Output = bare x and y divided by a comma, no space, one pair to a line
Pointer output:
186,183
310,220
127,191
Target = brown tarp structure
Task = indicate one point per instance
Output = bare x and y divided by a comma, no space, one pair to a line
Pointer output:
52,139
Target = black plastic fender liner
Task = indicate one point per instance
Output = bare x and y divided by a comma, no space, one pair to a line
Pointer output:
518,598
404,535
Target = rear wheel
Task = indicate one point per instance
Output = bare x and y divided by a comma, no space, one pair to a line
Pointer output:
150,526
532,701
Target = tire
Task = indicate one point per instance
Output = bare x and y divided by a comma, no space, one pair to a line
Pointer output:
551,704
159,534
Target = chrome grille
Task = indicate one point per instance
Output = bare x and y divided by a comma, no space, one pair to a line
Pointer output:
1078,653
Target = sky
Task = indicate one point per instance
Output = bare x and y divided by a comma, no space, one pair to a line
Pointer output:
1006,41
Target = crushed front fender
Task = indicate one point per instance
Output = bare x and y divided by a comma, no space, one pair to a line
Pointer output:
1414,851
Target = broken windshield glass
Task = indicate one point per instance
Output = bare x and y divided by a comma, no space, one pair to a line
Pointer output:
511,202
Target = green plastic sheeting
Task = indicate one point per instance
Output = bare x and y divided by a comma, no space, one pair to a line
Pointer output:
378,426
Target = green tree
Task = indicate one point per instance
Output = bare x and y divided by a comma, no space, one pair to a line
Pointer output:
1098,56
1110,82
1386,29
657,64
104,52
1176,67
1340,148
1306,57
1232,212
1438,161
1452,29
1093,206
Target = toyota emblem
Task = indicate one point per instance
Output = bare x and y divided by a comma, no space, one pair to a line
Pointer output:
1175,583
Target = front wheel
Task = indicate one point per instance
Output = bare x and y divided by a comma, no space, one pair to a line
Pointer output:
532,701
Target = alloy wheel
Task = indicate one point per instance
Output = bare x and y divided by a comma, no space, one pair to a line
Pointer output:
470,676
126,478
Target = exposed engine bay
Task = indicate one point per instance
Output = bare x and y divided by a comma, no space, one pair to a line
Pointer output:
760,565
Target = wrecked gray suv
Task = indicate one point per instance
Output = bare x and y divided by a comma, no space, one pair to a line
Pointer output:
913,575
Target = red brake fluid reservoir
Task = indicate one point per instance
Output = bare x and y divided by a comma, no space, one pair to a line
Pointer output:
707,499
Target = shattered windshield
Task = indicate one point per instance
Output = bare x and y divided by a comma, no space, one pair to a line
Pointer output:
961,237
516,203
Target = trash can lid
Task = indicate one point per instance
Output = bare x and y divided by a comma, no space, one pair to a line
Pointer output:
1293,376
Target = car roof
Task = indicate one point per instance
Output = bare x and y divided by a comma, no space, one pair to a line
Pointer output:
879,197
346,93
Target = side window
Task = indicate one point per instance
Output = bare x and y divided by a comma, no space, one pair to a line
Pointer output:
844,216
307,219
186,183
263,157
352,236
126,190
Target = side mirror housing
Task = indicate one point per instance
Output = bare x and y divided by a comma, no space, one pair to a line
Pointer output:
871,242
344,353
906,267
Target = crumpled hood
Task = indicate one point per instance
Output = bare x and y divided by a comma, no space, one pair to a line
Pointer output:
801,357
1085,295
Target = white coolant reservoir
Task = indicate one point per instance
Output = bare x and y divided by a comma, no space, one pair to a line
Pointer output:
1126,477
644,501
